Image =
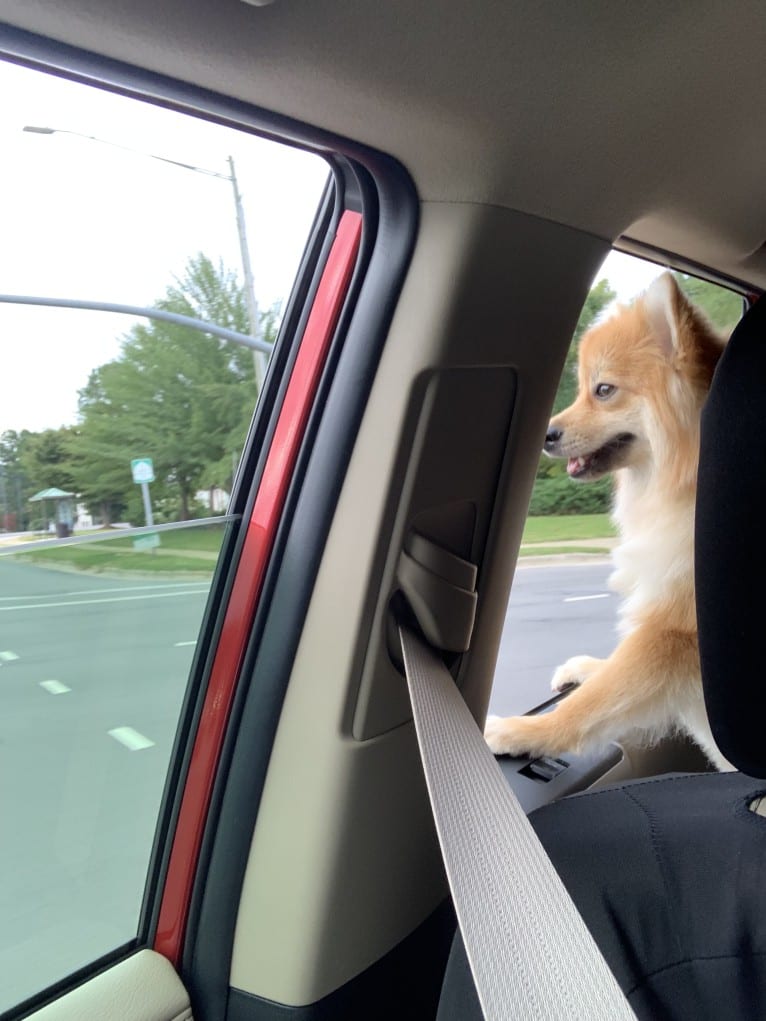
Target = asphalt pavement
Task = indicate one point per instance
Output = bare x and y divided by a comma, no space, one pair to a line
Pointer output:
557,609
92,675
93,672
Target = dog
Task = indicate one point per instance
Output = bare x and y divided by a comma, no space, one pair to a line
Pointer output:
643,375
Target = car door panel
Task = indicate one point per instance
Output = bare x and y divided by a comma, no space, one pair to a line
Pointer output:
143,987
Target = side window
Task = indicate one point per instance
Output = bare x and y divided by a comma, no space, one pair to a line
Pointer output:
561,604
146,260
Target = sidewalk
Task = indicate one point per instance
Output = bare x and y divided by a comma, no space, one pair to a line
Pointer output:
567,551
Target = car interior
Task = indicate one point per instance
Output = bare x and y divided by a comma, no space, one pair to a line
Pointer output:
482,162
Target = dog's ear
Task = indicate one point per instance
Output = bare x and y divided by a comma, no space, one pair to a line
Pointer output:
664,303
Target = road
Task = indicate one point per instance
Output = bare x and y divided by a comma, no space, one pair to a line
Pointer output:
553,613
92,676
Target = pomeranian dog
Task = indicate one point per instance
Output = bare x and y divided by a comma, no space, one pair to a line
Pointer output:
643,375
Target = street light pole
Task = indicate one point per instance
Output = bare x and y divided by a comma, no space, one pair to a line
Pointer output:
259,358
244,339
252,301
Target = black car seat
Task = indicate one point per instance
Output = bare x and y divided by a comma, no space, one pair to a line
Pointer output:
669,873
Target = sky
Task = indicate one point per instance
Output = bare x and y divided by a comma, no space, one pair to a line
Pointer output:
103,220
87,220
627,274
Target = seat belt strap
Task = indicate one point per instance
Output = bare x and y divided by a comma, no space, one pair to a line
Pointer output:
530,952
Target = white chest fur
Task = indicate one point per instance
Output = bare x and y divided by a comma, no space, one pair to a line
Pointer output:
654,562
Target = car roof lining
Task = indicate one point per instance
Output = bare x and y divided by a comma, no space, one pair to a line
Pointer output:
612,119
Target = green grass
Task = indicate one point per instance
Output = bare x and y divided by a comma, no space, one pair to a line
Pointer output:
101,558
206,538
558,528
201,545
117,554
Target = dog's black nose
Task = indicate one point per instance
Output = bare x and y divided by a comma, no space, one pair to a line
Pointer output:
551,438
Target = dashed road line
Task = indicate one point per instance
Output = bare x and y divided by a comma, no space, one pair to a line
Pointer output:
130,738
7,656
55,687
581,599
180,645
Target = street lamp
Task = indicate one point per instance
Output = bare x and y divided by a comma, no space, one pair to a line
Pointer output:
259,357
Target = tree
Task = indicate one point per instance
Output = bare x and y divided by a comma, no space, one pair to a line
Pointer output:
44,459
14,488
35,461
599,296
722,307
175,394
220,473
98,463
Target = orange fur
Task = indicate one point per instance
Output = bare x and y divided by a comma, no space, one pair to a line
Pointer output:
658,356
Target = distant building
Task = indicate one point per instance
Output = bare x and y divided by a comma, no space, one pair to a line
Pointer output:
83,519
216,500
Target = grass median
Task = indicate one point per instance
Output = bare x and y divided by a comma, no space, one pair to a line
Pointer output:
186,552
194,551
574,533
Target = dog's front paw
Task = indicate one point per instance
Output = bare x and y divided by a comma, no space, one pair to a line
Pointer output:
510,735
572,673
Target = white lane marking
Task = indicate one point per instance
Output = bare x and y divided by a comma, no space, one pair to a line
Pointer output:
106,591
129,737
90,602
180,645
55,687
581,599
8,656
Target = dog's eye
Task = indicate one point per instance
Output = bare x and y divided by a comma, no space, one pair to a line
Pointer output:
604,390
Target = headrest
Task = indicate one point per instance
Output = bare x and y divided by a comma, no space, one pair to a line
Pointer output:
730,547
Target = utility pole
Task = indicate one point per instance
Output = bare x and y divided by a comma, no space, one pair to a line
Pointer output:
252,302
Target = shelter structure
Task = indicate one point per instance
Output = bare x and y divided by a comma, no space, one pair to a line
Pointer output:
63,509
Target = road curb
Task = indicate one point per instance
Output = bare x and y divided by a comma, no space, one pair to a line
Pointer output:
563,560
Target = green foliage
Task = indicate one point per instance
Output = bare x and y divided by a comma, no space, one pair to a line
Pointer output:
30,462
44,459
176,395
599,296
551,467
722,307
14,485
560,495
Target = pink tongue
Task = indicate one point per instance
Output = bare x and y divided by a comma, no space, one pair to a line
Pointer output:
572,465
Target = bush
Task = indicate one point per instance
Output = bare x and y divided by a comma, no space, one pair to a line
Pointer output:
560,495
551,468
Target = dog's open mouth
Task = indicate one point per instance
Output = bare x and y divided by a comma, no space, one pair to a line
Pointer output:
599,462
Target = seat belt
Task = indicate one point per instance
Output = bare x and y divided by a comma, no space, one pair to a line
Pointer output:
530,952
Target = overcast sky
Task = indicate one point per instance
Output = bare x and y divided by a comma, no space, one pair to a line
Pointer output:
628,275
88,220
